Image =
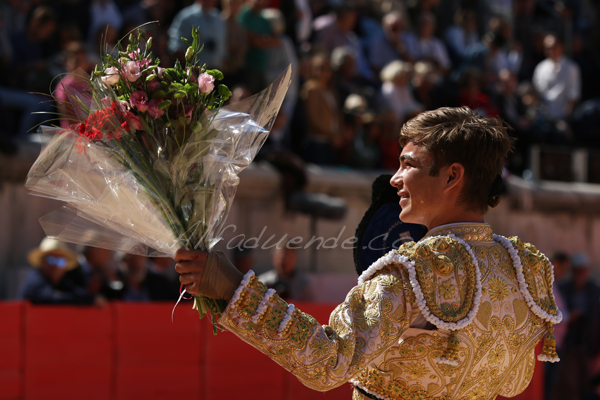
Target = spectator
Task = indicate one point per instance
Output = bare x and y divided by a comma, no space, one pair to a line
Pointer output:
337,30
104,13
142,283
75,84
237,42
385,128
562,264
582,343
100,270
473,97
364,146
57,277
427,47
32,49
323,113
260,39
145,11
212,34
280,58
285,278
431,89
392,44
343,64
557,79
396,92
298,20
462,34
28,71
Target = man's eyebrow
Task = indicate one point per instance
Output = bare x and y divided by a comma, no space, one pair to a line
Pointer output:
408,157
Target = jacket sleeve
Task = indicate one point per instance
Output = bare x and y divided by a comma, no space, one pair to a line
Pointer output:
372,318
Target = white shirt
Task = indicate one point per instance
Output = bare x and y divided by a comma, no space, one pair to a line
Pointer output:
422,49
558,83
399,99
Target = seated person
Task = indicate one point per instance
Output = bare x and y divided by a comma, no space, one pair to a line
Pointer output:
285,278
57,277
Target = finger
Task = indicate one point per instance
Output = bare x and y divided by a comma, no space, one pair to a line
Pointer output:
185,267
188,279
192,289
190,255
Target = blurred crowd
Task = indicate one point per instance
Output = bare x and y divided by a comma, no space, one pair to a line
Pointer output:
94,276
361,68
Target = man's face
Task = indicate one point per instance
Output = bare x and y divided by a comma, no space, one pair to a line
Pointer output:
552,48
420,193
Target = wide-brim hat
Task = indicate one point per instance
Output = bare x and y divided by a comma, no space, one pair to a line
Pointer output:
55,247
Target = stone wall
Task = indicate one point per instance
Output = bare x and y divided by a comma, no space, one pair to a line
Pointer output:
551,215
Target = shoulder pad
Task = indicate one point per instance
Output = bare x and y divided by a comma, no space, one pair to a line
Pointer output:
536,280
445,280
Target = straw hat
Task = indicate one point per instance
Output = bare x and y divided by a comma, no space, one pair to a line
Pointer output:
55,247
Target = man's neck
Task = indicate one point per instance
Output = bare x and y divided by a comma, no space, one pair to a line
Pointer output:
458,217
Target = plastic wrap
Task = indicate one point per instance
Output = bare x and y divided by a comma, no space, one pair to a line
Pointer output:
150,193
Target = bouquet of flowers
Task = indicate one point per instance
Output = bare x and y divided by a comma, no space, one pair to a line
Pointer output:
150,163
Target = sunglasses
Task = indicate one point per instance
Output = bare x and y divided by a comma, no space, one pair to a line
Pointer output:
59,262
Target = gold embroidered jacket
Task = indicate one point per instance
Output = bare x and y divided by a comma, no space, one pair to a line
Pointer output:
455,316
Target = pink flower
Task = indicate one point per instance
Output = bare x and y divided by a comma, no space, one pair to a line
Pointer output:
135,121
112,76
206,83
139,100
153,108
132,71
153,85
190,74
105,101
159,72
188,112
123,106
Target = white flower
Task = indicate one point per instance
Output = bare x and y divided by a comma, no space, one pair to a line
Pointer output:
112,76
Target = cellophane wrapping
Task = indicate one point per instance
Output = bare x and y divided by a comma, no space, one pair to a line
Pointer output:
154,192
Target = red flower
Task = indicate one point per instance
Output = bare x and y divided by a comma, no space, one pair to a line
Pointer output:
106,121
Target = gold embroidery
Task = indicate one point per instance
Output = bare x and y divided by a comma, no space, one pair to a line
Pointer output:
498,289
497,355
484,314
521,310
447,289
416,370
363,341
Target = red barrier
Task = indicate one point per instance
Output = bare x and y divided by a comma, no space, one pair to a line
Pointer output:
68,353
134,351
10,350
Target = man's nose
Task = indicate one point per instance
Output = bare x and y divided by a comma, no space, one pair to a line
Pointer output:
396,180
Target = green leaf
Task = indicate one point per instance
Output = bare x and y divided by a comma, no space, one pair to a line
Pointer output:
157,94
178,66
218,75
184,40
191,87
149,44
150,77
176,86
163,105
180,94
224,92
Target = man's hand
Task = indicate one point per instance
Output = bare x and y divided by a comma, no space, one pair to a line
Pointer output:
190,264
207,274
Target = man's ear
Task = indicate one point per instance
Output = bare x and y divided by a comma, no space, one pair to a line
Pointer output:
455,176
